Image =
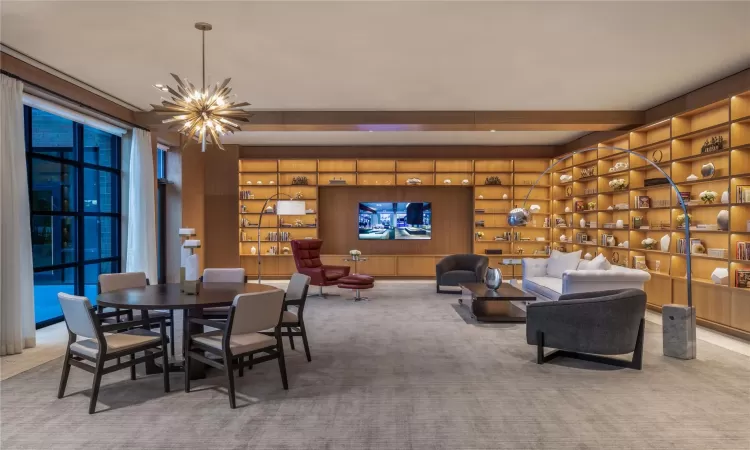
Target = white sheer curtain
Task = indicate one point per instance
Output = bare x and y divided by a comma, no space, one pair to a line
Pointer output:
141,250
17,326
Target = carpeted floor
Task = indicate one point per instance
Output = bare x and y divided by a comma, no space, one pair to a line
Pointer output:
402,371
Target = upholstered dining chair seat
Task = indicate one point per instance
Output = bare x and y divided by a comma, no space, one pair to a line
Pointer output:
239,343
289,317
116,342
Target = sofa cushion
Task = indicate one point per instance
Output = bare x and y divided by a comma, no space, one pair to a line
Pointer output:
598,263
453,277
560,262
546,286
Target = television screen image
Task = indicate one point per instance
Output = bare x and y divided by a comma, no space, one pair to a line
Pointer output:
399,221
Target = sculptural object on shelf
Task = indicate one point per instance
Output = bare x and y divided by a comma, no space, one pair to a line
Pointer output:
664,242
722,220
720,276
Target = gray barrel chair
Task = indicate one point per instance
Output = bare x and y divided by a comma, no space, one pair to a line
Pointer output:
455,269
588,324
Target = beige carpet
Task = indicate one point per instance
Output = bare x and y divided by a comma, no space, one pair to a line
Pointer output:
402,371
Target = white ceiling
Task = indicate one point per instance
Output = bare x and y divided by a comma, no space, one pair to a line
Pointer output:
401,138
395,55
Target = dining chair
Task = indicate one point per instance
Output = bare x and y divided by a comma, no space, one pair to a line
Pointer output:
99,348
221,276
239,335
296,295
109,282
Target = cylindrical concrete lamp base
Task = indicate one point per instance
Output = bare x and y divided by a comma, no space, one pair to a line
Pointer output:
678,324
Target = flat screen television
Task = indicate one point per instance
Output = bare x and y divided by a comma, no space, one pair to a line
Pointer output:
395,221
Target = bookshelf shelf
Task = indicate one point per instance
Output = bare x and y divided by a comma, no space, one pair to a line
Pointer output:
680,140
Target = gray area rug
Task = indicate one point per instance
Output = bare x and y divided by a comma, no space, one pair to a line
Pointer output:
401,371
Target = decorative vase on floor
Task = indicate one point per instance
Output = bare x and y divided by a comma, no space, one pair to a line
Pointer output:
493,278
723,220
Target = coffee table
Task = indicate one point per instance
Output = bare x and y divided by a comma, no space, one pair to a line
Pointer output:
489,305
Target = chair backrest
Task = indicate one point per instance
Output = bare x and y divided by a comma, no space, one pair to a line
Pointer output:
256,312
307,253
297,289
77,313
224,275
109,282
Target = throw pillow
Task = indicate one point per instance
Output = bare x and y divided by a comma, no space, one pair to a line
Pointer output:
583,265
599,263
563,262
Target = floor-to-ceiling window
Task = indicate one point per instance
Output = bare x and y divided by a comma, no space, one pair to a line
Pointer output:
74,191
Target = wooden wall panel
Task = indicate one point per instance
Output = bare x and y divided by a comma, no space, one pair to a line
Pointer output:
221,236
451,213
193,196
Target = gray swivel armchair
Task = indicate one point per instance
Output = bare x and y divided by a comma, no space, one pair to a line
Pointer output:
455,269
588,324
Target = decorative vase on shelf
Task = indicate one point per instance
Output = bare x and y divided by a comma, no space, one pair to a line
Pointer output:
253,250
582,223
664,242
493,278
722,220
725,197
505,196
619,224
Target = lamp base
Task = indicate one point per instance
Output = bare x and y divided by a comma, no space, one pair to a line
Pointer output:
678,326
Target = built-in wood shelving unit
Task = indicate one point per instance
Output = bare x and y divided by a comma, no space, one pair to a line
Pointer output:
676,143
493,200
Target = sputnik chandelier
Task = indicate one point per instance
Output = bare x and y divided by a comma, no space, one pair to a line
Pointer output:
204,114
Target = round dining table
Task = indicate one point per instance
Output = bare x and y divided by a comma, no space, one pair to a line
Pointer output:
160,297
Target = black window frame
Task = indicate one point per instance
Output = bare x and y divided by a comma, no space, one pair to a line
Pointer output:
79,214
161,214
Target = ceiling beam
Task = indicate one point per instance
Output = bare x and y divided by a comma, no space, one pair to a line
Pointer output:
432,120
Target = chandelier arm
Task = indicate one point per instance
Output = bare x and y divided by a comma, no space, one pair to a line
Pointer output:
688,275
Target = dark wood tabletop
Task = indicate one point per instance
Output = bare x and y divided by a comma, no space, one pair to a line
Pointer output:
506,292
168,296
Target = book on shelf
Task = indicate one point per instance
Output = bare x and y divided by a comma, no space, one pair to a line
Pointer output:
743,194
642,202
639,262
742,278
741,251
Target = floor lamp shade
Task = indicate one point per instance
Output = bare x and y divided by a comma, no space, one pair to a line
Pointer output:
290,208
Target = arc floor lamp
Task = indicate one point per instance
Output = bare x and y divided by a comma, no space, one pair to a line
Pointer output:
283,208
678,321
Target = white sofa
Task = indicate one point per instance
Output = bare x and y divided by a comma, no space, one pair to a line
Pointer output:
537,281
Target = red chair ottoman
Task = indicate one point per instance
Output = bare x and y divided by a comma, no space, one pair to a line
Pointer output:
357,282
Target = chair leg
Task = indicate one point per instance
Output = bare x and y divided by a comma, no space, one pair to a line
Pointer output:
291,338
304,341
229,371
165,359
187,371
282,363
171,331
539,347
65,373
97,382
132,368
250,361
242,368
637,362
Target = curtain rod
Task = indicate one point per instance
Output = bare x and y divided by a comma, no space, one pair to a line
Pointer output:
76,102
